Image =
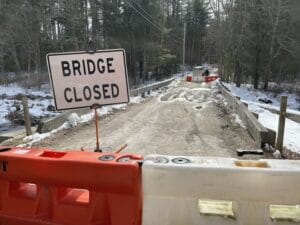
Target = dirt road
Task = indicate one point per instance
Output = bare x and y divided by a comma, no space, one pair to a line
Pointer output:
189,119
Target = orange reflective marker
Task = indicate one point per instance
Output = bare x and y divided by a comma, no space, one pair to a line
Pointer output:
39,187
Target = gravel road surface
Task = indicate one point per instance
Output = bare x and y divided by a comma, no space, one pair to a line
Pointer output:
188,119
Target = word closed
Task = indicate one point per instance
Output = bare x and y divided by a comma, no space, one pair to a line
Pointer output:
81,79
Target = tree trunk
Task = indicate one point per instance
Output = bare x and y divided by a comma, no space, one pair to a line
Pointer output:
201,49
237,73
38,64
271,50
1,60
256,73
28,71
132,57
94,16
86,22
193,46
13,51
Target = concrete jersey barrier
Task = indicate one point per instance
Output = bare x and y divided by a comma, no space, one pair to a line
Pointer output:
47,125
220,191
259,133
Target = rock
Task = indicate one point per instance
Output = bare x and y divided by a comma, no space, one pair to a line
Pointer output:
18,97
3,96
50,108
277,154
268,148
265,100
73,119
32,97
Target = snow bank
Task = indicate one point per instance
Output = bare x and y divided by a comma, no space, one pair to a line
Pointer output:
270,120
37,107
11,90
248,93
14,89
73,121
136,100
239,121
37,137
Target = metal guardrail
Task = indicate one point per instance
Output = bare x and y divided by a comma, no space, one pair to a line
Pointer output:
148,88
290,115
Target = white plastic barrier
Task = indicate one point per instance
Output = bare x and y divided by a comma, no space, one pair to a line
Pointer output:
220,191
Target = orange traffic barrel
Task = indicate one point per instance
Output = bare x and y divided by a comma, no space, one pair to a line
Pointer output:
69,188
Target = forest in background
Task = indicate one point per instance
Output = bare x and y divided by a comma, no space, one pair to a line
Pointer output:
250,40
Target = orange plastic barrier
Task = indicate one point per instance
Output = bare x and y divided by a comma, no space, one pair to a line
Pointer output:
211,78
189,78
39,187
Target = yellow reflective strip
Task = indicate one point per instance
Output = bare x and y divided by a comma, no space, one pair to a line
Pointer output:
216,207
257,164
285,212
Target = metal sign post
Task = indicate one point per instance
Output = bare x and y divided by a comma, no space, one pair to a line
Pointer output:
98,149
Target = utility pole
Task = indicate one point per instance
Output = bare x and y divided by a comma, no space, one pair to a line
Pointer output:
183,49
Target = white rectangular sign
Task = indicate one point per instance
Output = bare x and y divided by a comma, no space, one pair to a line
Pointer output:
82,79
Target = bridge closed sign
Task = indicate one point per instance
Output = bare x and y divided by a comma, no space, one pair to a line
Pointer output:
82,79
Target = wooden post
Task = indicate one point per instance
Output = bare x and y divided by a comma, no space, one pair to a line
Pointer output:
281,123
26,116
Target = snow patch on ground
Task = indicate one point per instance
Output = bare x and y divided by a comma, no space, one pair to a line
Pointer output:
195,95
136,100
11,90
248,93
5,108
270,120
37,107
156,93
239,121
14,89
119,106
276,108
73,121
37,137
